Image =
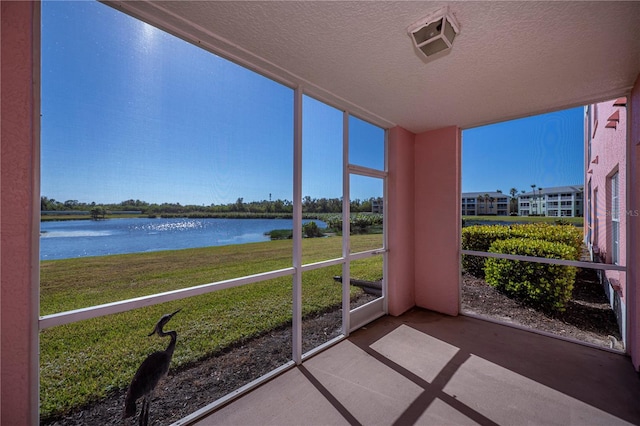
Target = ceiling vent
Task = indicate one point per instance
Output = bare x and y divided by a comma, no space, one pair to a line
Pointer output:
434,33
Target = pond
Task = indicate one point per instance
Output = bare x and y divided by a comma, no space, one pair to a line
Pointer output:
79,238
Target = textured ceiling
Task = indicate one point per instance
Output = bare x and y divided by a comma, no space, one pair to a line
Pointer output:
511,59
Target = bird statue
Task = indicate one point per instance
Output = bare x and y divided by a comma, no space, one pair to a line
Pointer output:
152,369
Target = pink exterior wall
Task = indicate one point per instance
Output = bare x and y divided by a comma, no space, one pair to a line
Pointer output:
19,225
401,294
424,220
608,157
437,220
633,223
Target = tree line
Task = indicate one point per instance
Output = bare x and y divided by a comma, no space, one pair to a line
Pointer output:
309,205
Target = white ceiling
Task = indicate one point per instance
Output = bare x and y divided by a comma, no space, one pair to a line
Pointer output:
511,59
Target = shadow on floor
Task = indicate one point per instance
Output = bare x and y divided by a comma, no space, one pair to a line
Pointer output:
427,368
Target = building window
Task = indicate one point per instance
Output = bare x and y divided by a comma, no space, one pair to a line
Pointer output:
596,218
589,213
615,219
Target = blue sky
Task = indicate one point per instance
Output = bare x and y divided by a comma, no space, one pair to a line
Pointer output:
545,150
131,112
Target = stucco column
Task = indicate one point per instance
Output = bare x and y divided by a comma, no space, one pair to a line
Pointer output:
438,220
19,218
400,290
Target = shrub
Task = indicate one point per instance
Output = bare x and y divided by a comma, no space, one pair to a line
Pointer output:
334,223
360,223
565,234
280,234
311,230
541,285
481,237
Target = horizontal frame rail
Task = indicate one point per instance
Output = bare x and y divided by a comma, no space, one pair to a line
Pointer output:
367,171
364,254
322,264
68,317
602,266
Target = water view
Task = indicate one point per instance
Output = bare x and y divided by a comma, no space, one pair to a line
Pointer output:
79,238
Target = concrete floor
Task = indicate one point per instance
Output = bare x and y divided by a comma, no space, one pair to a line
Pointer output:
429,369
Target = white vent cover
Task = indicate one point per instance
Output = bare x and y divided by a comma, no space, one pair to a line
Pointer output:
435,32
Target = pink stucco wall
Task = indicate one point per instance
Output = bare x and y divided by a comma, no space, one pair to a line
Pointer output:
608,157
401,294
19,226
437,220
424,220
633,256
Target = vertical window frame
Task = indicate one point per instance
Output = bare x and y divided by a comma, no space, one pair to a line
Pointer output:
614,184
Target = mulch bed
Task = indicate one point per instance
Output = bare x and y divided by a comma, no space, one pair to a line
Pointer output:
588,318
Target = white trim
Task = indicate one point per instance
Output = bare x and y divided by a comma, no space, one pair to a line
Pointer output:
346,226
67,317
297,226
363,315
378,307
385,226
322,264
81,314
590,265
367,253
367,171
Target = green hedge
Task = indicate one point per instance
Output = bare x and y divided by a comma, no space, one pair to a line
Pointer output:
565,234
359,223
541,285
481,237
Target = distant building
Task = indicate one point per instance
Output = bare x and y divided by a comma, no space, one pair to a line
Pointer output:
559,201
377,205
485,203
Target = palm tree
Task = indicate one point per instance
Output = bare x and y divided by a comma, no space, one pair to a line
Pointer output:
514,201
486,198
533,190
540,199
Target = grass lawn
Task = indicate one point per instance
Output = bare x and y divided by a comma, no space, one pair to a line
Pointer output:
84,361
578,221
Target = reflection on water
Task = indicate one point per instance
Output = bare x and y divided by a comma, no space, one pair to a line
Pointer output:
182,225
79,238
72,234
